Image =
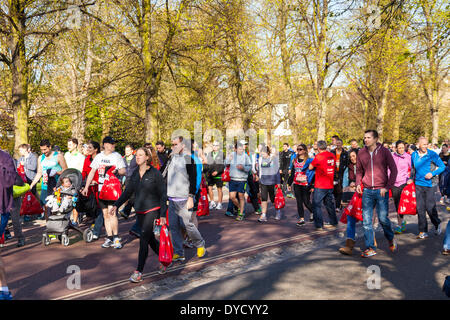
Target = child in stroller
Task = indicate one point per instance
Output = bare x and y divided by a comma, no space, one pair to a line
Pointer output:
64,199
61,205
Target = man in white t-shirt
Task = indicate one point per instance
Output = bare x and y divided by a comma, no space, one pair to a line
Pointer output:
73,157
102,163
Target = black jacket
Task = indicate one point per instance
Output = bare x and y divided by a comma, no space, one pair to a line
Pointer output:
285,160
150,191
343,164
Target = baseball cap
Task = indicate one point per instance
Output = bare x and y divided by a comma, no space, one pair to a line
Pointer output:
243,142
109,139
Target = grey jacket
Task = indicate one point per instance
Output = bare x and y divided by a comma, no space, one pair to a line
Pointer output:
269,171
181,177
235,173
30,165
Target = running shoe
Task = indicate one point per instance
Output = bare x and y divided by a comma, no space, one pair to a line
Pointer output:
393,245
117,244
259,211
20,243
94,237
311,218
219,206
422,235
201,251
263,218
108,243
400,229
368,253
240,217
136,277
162,269
5,295
446,252
300,222
176,257
212,205
229,214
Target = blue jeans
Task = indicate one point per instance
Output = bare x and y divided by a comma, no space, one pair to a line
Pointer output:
447,237
4,222
136,227
370,200
351,228
325,195
98,223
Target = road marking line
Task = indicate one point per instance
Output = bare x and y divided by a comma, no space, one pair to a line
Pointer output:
189,264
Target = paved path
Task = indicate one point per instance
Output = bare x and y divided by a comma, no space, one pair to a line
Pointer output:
246,249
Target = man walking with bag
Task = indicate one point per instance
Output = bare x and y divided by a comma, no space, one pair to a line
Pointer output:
372,170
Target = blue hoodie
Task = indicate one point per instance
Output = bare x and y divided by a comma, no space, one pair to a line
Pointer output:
423,165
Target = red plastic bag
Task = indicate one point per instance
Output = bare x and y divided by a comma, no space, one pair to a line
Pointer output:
21,171
279,199
165,247
111,189
354,208
408,204
226,175
2,239
30,205
203,203
343,218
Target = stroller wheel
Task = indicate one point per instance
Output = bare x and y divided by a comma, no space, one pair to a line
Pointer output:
65,240
45,239
88,235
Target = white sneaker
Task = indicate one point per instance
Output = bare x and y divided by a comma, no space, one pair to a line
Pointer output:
263,218
219,206
117,244
108,243
212,205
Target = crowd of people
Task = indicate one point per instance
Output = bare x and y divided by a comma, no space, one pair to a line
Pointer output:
162,183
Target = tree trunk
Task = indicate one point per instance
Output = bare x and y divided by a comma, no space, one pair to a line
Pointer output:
19,72
381,108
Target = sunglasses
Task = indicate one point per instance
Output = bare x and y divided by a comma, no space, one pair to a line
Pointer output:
300,149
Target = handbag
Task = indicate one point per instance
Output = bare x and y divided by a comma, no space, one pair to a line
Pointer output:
279,199
30,205
165,247
408,203
226,175
111,189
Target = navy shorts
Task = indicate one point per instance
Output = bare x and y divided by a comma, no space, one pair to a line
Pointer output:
237,186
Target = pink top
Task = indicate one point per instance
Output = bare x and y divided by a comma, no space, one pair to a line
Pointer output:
403,163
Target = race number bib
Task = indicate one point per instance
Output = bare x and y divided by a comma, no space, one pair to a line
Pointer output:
45,178
301,178
101,170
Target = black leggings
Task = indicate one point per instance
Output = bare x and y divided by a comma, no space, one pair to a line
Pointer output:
267,191
145,222
396,194
337,191
303,196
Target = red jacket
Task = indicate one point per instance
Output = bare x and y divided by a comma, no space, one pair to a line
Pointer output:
373,170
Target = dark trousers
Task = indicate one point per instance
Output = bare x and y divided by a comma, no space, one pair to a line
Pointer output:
284,180
426,203
338,192
325,196
145,222
253,188
396,194
303,197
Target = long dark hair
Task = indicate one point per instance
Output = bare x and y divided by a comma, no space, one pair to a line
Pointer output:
305,149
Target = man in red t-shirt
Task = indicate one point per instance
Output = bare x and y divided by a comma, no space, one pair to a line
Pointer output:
324,163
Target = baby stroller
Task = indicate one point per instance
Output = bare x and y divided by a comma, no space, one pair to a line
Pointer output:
58,223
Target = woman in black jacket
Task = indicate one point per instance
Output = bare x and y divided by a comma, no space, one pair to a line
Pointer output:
150,203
